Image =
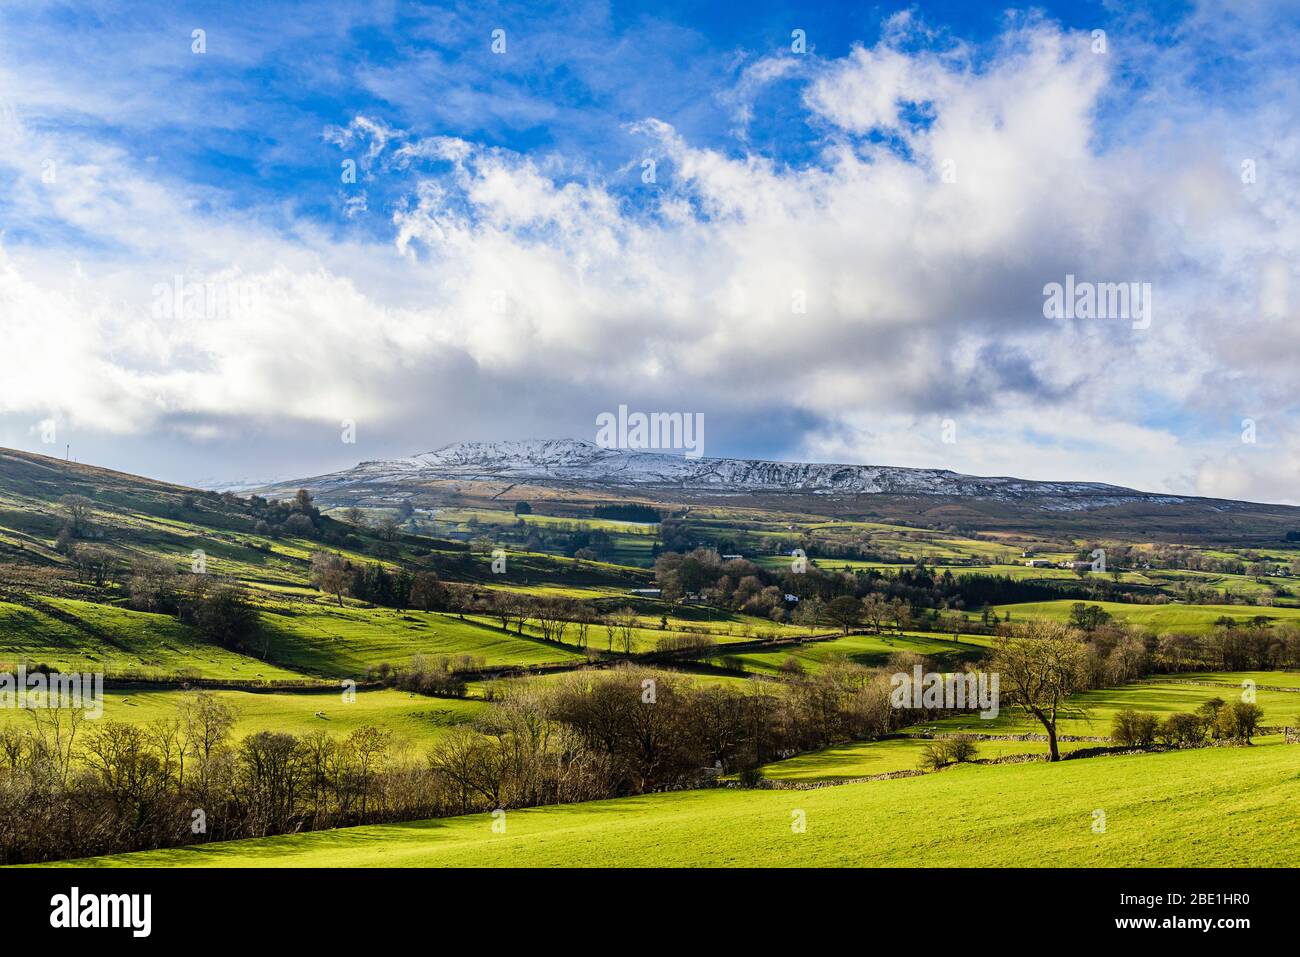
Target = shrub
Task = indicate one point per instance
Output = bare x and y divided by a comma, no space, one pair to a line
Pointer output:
946,751
697,645
1209,711
791,666
1183,727
1134,728
1238,721
962,750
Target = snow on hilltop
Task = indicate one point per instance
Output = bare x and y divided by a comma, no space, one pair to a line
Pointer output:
575,462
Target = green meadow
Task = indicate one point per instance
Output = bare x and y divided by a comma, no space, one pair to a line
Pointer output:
1091,712
1214,807
1192,807
94,637
1194,619
861,759
415,720
329,640
871,650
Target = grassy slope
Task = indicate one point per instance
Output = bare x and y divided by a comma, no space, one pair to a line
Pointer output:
1212,807
873,650
863,758
116,640
1275,679
328,640
414,720
1091,712
1172,617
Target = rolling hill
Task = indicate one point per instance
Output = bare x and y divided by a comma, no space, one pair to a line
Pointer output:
1212,807
582,471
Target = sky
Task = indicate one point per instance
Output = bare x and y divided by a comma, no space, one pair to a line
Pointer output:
248,241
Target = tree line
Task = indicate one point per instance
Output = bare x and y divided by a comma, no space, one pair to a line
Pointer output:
71,788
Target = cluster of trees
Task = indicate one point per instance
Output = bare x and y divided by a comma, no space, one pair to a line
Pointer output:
77,515
914,594
374,583
555,617
1215,720
217,609
71,788
77,524
298,516
1230,646
1042,664
442,676
627,512
632,730
1116,653
1194,559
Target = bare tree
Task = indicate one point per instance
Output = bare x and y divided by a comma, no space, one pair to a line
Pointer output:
329,573
427,591
76,508
93,564
205,726
1040,664
845,611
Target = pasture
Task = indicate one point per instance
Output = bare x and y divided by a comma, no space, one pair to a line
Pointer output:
1193,619
416,721
870,650
75,635
1215,807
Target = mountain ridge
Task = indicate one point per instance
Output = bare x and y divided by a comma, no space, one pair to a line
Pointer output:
582,463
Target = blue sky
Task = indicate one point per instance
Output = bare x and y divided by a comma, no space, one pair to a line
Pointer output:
245,119
500,267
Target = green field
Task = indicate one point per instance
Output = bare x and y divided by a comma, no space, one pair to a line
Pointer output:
344,642
1275,679
1193,619
870,650
864,758
415,720
1091,712
1211,807
1200,807
116,641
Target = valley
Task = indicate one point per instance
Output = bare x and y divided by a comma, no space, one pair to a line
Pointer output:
432,662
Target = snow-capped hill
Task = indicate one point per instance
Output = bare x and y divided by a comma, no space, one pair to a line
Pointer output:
573,462
548,453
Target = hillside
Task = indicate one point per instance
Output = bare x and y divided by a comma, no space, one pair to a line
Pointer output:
1213,807
103,582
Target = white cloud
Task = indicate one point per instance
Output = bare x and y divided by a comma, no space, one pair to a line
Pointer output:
923,296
